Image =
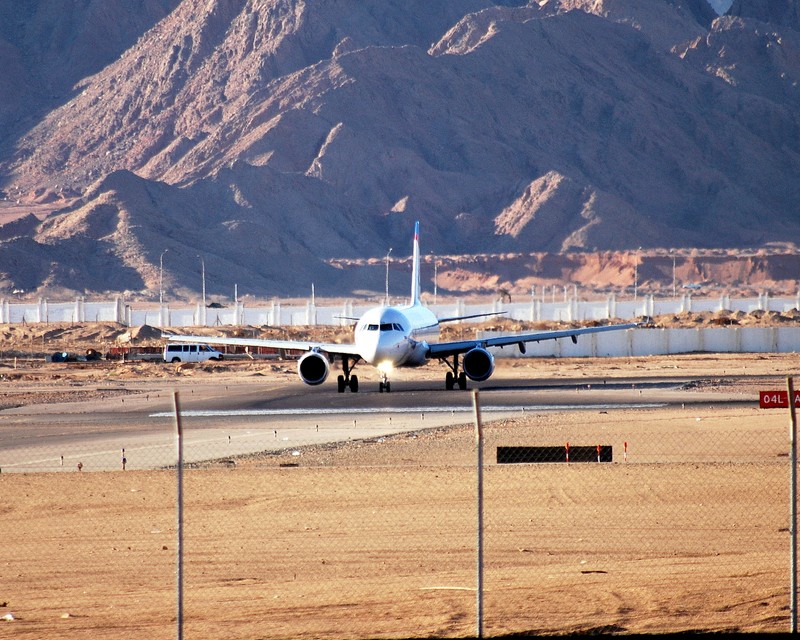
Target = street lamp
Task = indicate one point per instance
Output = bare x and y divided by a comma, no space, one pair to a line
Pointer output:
203,268
672,252
435,278
161,278
203,271
387,276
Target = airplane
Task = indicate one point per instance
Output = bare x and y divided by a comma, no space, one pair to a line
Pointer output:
389,337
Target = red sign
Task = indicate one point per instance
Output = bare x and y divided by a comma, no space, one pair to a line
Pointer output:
777,399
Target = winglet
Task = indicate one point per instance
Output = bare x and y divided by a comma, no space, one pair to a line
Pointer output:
415,279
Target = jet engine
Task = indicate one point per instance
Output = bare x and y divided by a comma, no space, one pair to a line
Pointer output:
313,368
478,364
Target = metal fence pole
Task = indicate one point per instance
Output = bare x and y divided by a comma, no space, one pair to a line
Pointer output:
179,468
479,446
793,503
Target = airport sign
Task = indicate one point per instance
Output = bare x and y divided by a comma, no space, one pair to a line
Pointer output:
777,399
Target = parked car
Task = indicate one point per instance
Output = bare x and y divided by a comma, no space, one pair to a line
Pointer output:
182,352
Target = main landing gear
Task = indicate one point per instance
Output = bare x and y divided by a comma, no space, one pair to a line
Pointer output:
384,385
347,381
454,376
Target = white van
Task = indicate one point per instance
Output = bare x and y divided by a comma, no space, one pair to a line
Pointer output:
182,352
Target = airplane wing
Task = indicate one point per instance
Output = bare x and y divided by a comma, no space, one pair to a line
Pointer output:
445,349
474,315
332,348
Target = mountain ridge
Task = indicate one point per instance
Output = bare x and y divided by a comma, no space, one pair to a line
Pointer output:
566,126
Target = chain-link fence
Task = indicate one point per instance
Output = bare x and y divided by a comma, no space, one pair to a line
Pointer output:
683,524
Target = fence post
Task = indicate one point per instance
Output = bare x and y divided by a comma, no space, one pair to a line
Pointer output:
479,445
792,504
179,553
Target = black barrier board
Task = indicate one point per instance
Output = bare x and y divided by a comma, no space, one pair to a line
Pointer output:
515,455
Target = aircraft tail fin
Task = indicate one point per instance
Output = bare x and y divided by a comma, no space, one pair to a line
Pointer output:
415,277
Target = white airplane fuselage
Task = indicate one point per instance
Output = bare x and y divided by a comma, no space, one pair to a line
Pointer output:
396,336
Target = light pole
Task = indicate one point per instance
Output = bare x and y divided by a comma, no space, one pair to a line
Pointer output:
161,278
203,269
672,251
387,276
203,272
435,278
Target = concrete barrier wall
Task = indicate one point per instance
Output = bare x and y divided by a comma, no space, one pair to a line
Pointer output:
275,313
649,342
637,342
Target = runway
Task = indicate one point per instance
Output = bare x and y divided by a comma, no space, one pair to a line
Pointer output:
222,421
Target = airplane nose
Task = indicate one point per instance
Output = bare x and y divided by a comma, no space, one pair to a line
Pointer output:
380,337
387,349
369,350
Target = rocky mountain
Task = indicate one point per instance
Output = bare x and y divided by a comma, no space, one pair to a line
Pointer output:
262,140
49,46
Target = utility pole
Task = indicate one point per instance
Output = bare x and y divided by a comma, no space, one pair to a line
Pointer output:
203,267
161,278
435,278
387,276
672,251
203,272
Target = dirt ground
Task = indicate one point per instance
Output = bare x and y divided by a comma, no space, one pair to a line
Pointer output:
687,531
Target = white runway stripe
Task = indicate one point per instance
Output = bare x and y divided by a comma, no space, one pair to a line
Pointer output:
373,410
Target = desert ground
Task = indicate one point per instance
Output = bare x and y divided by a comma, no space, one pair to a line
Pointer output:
686,530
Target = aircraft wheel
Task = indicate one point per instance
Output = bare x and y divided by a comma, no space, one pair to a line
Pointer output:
448,381
354,384
462,380
388,388
380,387
340,383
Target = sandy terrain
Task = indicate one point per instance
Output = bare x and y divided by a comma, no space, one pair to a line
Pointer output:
377,538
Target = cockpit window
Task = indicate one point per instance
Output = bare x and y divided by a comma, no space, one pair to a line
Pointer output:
391,326
383,326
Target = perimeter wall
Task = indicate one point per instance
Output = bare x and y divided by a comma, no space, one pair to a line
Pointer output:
651,342
655,341
275,313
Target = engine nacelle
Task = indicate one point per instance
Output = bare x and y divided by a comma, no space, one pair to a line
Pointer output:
478,364
313,368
